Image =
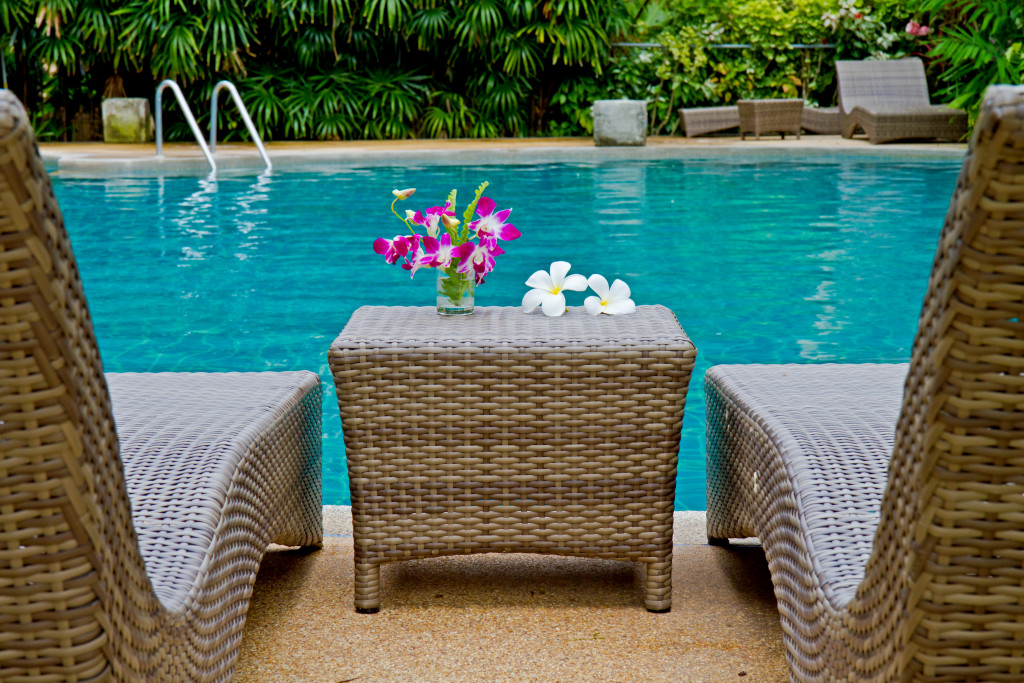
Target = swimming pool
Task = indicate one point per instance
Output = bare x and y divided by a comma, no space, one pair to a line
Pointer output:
763,257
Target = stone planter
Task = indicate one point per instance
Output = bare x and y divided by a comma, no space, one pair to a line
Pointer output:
620,122
127,119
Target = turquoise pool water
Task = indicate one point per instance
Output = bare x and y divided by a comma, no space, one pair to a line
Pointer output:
763,258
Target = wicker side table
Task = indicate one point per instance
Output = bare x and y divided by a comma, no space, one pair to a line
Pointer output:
507,432
770,116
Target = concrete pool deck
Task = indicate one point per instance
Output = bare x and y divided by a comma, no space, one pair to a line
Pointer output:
514,617
97,159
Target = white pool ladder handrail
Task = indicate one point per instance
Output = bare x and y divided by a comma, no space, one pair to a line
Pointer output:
230,87
168,83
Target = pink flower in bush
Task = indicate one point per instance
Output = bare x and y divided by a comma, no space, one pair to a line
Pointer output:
916,29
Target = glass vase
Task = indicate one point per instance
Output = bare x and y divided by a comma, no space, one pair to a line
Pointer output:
454,292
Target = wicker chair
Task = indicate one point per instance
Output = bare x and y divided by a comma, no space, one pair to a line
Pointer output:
899,556
128,554
702,120
888,99
824,121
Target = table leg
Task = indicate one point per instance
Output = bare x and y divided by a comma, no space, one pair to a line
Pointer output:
367,588
659,585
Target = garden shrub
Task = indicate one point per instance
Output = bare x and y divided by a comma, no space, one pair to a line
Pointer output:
349,69
686,70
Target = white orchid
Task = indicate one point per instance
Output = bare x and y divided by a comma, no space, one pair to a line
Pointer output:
612,300
548,287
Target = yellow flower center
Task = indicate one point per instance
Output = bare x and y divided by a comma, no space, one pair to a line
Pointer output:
604,302
557,290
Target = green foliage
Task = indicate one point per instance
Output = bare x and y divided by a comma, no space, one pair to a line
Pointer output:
974,44
690,70
348,69
332,69
467,216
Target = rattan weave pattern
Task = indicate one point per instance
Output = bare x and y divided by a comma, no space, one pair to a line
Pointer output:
76,600
888,99
831,428
507,432
770,116
938,595
701,120
824,120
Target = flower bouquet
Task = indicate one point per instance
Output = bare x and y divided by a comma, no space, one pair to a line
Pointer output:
462,255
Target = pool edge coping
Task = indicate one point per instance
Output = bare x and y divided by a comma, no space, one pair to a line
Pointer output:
93,160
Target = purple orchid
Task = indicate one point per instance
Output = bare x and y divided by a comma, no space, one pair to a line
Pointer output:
491,227
445,246
479,259
414,255
392,250
432,219
438,253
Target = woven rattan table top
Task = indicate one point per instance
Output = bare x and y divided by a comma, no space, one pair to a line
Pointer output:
491,326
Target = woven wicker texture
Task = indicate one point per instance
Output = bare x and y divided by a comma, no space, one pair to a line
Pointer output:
798,456
824,121
888,99
506,432
701,120
770,116
89,590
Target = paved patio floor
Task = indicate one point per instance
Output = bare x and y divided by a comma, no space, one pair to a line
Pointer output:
514,618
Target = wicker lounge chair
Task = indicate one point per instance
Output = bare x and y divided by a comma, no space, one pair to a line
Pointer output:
130,554
824,121
889,101
702,120
895,535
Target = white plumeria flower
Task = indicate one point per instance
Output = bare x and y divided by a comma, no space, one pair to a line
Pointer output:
548,287
612,300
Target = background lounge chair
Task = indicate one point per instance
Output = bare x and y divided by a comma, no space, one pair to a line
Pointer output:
824,121
136,566
888,99
701,120
899,557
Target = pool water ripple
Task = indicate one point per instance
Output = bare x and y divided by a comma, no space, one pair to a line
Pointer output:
767,258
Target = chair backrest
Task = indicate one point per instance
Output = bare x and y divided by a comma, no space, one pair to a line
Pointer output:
70,569
946,572
881,83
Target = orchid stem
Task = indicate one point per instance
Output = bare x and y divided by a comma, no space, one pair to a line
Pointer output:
399,217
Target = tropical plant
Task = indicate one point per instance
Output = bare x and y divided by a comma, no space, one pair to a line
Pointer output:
974,44
329,69
712,53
